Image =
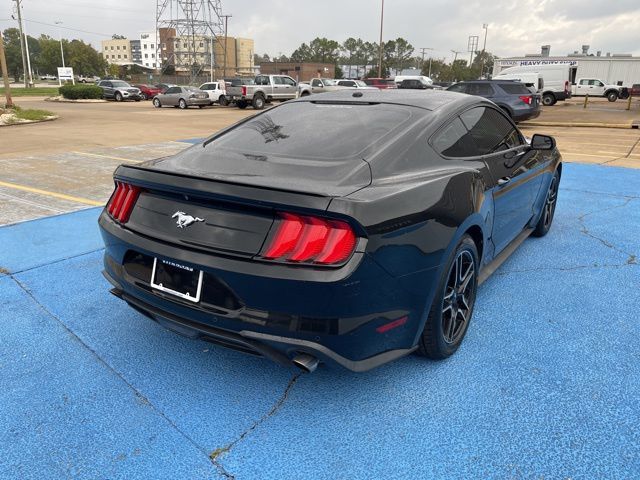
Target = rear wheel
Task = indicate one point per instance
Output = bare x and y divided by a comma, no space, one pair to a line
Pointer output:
258,102
182,104
549,208
450,313
549,99
156,103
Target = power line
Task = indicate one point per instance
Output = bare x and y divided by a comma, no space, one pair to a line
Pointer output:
69,28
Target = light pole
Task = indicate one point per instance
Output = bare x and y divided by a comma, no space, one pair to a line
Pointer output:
24,37
484,46
60,37
380,48
226,26
424,49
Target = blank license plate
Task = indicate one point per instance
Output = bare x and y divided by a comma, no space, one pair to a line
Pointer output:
176,279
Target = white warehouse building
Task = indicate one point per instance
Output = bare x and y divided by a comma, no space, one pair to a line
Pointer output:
620,69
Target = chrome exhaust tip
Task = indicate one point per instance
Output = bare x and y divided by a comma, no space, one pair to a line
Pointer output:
306,362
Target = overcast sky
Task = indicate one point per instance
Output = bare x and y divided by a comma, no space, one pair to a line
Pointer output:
279,26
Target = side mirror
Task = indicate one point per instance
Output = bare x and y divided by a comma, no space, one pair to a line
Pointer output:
543,142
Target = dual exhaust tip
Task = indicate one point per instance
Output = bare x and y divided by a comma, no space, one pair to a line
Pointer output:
305,362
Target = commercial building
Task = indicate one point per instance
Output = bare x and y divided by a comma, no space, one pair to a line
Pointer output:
300,71
148,49
622,69
117,51
136,54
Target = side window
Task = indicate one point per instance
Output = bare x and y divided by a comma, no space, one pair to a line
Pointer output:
278,81
289,81
458,87
584,82
490,130
262,80
598,83
316,83
454,141
173,90
480,89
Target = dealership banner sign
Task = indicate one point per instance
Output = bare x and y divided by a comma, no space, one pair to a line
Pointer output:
522,63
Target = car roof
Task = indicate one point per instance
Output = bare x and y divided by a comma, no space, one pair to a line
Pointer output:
428,100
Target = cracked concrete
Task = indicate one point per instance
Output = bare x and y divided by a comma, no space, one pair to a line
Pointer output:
217,455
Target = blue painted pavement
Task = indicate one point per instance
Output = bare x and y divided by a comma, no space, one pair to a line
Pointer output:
546,384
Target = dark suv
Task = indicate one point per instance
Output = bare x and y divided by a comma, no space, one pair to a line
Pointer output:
512,97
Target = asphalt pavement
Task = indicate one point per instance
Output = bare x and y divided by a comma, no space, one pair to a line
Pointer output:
545,385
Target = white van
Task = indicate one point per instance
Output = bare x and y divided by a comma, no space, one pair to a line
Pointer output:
533,81
556,78
424,79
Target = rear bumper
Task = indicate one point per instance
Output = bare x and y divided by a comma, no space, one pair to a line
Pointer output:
332,315
528,114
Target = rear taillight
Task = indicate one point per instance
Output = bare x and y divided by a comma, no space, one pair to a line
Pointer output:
526,99
244,90
122,201
310,240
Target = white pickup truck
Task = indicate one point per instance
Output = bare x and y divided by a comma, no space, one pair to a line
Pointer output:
265,89
594,87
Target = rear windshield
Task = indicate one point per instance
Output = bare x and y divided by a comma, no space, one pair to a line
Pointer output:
514,88
318,131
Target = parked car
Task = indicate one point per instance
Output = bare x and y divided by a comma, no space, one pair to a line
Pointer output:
422,78
88,79
634,91
48,77
380,83
355,245
119,90
359,84
514,98
147,91
216,92
266,88
164,86
182,97
594,87
319,85
414,84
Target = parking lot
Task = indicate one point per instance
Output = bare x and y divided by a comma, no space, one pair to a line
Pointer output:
545,385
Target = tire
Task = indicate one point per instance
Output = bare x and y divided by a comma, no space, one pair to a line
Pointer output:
182,104
223,101
200,106
118,97
242,104
258,102
304,94
156,103
549,208
612,96
549,99
143,96
450,313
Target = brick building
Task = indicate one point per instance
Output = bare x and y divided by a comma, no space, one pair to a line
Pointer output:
302,72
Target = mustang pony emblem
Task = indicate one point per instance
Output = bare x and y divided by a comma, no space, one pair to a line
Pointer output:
185,220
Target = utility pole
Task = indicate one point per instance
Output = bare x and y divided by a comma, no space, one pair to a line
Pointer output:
226,29
24,59
60,37
5,74
456,55
484,46
380,48
423,50
23,34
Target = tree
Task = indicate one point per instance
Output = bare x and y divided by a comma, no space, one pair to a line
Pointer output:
401,54
13,52
84,59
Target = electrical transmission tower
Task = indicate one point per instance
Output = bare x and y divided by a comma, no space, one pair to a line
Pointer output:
198,26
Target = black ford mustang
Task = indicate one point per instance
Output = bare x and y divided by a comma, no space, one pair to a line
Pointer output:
348,228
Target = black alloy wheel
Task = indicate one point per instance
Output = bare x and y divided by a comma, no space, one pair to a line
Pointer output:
457,304
549,208
452,308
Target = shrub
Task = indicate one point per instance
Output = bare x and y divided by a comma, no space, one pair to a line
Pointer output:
75,92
